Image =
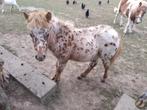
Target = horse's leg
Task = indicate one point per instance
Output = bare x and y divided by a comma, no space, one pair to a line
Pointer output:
121,21
127,25
106,64
2,7
90,67
11,8
131,27
116,16
59,68
17,6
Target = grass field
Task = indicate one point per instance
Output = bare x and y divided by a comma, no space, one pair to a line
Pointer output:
128,75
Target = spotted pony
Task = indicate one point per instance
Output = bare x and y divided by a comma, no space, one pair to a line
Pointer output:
70,43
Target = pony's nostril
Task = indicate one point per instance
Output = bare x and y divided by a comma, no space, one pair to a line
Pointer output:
44,56
36,56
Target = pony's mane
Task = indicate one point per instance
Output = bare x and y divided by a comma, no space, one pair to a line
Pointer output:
38,19
69,24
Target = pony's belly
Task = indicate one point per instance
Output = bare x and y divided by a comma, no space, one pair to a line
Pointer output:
85,56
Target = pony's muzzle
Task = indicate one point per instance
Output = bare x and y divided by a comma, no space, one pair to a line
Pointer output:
138,20
1,63
40,58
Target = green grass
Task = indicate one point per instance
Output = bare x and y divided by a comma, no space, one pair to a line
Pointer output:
14,22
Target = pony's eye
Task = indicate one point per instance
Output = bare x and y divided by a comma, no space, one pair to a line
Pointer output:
31,34
46,36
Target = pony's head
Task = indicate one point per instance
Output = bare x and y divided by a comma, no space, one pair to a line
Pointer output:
37,23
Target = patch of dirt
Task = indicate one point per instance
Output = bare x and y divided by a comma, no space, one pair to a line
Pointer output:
127,75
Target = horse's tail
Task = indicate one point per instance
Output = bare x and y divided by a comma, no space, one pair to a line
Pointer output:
119,50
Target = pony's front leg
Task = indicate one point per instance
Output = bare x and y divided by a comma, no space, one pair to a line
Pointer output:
131,26
2,8
121,21
127,26
116,16
90,67
59,68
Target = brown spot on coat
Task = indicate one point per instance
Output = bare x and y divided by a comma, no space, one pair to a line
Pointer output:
95,36
81,48
105,54
65,45
87,50
112,43
106,45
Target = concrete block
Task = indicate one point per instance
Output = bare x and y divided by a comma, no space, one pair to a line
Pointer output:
126,103
30,77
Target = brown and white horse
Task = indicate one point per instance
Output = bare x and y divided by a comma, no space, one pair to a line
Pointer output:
134,10
70,43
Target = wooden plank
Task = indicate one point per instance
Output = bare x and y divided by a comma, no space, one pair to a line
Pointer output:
30,77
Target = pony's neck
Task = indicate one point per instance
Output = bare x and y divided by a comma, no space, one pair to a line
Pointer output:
54,29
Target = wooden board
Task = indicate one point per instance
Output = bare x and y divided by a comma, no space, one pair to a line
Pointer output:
30,77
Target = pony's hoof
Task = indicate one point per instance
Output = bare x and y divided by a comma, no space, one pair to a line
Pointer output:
79,77
103,80
56,80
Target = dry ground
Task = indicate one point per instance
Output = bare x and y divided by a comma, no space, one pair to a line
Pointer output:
127,75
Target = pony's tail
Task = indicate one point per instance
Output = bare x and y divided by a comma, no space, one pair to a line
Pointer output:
118,52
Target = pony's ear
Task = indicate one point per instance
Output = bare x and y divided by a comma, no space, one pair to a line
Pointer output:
48,16
26,15
140,4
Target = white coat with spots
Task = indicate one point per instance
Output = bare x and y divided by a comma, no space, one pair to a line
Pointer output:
70,43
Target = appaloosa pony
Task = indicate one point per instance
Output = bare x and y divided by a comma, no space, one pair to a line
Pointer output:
70,43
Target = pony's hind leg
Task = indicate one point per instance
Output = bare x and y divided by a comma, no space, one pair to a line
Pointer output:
106,64
90,67
59,68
